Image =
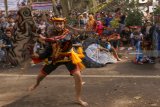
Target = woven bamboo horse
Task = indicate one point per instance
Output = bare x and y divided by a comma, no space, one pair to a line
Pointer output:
24,38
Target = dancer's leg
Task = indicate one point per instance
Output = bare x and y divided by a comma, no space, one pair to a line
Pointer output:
78,87
40,77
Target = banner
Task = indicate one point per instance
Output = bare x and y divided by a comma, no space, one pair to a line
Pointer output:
12,4
42,6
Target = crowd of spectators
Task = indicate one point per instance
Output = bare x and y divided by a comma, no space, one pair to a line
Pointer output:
8,28
144,40
107,25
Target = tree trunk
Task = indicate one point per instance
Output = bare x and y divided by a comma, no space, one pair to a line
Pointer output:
54,7
81,5
67,6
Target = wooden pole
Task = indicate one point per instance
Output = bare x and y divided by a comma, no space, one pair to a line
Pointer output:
6,7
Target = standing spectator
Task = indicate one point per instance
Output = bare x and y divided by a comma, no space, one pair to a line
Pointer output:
91,23
135,36
108,19
125,36
122,21
137,39
85,18
158,41
81,21
147,41
97,16
99,27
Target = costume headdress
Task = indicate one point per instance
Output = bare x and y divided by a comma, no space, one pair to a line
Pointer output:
58,19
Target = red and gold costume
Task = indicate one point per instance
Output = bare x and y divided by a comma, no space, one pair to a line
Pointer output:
61,52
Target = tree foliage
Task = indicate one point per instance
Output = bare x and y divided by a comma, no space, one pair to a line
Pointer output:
135,15
157,11
134,18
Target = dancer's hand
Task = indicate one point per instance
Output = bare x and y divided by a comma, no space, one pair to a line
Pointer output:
35,55
2,46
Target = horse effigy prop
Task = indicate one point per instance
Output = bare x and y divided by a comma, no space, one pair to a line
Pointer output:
24,36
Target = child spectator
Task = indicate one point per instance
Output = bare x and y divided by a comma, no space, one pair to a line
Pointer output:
108,19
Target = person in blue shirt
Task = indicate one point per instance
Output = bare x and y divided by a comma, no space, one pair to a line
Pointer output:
108,19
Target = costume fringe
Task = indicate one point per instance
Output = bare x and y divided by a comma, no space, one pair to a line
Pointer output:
76,59
80,52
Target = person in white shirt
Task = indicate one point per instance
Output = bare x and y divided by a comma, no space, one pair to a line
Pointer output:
42,26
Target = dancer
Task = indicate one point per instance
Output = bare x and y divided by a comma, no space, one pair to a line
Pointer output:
61,52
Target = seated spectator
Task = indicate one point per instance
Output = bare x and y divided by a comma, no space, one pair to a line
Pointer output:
114,39
125,36
3,24
2,53
6,44
1,34
39,46
107,47
81,21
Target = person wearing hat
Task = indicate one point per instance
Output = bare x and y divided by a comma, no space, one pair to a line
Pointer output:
61,52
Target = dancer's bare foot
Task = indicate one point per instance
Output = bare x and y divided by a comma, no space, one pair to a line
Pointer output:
33,87
84,104
83,83
119,59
